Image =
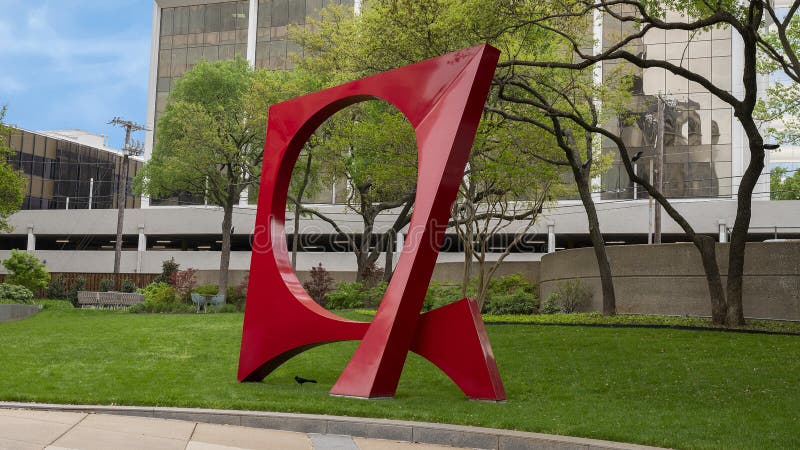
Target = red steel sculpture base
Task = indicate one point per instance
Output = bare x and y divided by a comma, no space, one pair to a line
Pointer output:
443,99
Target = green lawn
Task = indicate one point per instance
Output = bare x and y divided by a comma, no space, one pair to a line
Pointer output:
664,387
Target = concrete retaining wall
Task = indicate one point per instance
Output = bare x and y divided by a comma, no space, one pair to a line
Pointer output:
669,278
10,313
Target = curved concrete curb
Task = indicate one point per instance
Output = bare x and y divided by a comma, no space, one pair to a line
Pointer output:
395,430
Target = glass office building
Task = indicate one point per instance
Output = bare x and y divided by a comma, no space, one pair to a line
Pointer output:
64,174
213,30
698,127
188,31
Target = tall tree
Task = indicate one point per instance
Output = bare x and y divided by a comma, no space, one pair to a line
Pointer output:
389,34
12,183
503,190
356,145
210,140
747,20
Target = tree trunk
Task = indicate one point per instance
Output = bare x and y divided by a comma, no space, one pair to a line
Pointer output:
598,243
707,247
388,265
741,226
225,255
295,236
296,232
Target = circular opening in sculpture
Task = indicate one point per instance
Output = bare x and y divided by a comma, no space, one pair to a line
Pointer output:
351,194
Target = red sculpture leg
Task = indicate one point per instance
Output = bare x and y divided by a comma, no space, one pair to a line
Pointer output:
454,339
443,99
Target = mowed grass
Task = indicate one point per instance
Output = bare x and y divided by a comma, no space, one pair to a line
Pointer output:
663,387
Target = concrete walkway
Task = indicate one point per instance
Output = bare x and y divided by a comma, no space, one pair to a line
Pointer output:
59,427
57,430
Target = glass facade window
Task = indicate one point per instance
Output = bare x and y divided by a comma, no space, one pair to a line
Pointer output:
697,127
189,34
273,49
58,169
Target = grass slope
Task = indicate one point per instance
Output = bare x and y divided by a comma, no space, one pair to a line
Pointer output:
664,387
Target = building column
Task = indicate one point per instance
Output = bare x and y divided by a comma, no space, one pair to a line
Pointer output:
252,30
723,231
551,237
31,239
141,248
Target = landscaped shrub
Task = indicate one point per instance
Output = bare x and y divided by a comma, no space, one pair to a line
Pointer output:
127,286
440,294
237,295
79,284
348,295
319,284
514,303
15,293
26,270
57,288
106,284
375,294
207,289
54,304
162,308
168,268
183,281
159,292
372,275
569,296
511,294
551,304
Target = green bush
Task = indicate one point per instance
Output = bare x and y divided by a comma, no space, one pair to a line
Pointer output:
57,288
236,297
440,294
348,295
515,303
551,304
511,294
569,297
54,304
15,293
168,268
159,292
106,284
26,270
207,289
78,285
127,285
351,295
161,308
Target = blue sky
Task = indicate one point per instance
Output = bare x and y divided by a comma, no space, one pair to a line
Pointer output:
68,64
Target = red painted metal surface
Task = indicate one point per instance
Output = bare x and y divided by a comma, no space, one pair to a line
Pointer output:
443,99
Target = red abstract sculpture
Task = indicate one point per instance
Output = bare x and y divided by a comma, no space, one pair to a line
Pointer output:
443,99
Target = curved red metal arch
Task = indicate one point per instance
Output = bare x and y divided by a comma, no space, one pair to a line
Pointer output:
443,100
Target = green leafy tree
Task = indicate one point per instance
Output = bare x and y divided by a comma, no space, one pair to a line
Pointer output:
26,270
210,139
388,34
783,185
354,145
750,22
12,183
